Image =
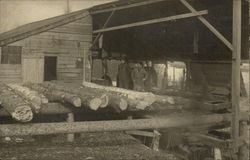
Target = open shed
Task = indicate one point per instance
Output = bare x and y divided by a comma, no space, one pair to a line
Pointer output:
211,37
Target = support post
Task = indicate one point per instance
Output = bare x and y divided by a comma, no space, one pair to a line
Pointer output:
244,133
70,119
196,42
236,67
217,154
188,80
174,84
237,128
164,84
156,140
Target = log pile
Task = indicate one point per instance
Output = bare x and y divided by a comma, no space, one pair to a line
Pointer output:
56,95
35,99
15,105
90,99
136,100
93,97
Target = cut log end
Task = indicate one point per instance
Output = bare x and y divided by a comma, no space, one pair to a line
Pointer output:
123,104
76,101
36,108
95,103
23,114
105,101
141,105
45,100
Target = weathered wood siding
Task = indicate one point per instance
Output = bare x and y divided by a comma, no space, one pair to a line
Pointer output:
10,73
68,42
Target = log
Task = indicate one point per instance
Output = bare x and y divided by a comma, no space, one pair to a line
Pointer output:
180,120
48,109
33,97
119,104
56,95
151,102
91,98
136,100
15,105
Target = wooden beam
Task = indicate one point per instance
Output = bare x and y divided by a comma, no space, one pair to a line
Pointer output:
176,120
153,21
140,133
209,26
115,8
236,59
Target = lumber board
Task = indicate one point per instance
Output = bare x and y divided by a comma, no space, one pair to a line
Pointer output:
113,125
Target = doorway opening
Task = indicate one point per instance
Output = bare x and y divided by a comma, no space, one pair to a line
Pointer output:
50,67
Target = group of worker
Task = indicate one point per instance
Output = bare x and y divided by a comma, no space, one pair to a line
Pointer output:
142,77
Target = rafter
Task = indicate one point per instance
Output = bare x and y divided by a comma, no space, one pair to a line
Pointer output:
153,21
115,8
209,26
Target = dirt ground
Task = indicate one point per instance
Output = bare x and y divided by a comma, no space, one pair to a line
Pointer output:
91,146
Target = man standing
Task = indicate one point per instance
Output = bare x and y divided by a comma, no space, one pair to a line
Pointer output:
139,75
124,75
151,80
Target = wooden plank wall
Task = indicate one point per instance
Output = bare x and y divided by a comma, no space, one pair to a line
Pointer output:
10,73
68,42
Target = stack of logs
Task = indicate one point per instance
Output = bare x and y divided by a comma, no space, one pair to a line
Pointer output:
23,101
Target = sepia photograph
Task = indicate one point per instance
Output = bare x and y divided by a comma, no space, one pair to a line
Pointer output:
124,79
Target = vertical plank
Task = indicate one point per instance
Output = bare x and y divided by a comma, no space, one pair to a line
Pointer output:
164,83
32,70
156,140
196,42
0,55
70,118
244,133
236,66
236,60
217,154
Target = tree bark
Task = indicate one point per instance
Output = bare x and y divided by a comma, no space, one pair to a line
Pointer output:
88,99
136,100
88,95
15,105
56,96
33,97
119,104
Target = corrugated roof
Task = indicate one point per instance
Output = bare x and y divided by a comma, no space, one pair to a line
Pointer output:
39,26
